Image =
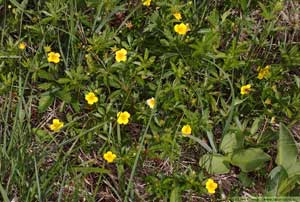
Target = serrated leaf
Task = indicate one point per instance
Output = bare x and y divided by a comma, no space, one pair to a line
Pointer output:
287,149
255,159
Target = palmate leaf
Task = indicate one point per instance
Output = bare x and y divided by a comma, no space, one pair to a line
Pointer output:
287,149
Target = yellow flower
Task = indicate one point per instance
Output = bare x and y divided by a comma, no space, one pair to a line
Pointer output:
151,102
245,89
177,15
109,156
47,49
211,186
53,57
22,46
56,125
263,72
186,130
91,98
268,101
121,55
146,2
123,117
181,28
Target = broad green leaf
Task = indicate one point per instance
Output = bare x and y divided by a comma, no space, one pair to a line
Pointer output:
44,102
215,163
175,195
287,149
294,170
231,142
249,159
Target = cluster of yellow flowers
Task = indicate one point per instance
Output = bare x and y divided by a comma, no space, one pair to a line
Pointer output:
124,116
262,74
181,28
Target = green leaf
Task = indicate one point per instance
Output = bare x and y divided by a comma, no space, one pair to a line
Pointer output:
287,149
175,195
249,159
4,194
276,176
231,142
255,126
42,135
215,163
245,179
294,170
287,185
65,95
46,75
44,102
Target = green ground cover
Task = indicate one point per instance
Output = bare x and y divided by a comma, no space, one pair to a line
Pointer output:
162,100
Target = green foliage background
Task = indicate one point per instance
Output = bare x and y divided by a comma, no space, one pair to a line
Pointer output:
246,144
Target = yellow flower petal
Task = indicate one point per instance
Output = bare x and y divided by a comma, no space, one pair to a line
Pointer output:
263,72
56,125
181,28
245,89
53,57
121,55
146,2
123,117
151,102
22,46
109,156
211,186
186,130
177,15
91,98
